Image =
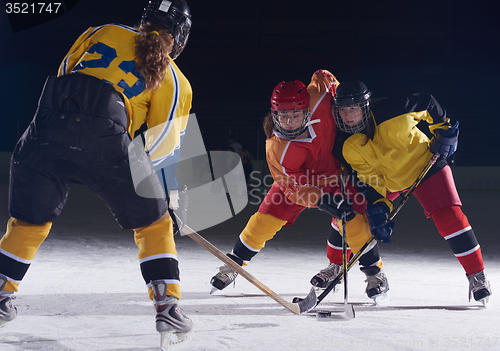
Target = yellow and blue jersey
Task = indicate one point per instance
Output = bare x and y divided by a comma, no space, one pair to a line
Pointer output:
107,52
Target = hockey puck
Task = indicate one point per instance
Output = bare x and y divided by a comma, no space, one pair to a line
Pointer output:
323,314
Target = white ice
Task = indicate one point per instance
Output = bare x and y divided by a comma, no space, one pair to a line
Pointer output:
84,290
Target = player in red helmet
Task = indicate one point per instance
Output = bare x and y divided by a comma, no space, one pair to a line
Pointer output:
107,87
290,108
300,134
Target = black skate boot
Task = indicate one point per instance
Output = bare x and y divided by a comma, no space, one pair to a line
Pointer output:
7,310
326,275
377,284
225,276
479,287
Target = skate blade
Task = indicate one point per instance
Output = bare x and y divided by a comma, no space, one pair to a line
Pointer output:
168,339
214,290
318,289
485,301
381,299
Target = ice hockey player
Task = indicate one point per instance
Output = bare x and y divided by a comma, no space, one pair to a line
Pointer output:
114,79
301,133
388,153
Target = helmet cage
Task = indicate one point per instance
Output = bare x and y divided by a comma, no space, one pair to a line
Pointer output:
173,15
362,101
280,121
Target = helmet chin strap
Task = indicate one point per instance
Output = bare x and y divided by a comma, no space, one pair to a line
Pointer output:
312,122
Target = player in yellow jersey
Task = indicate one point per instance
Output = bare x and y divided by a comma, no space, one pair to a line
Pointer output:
113,80
388,153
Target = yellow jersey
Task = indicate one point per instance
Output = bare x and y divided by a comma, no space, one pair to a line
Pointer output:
396,155
107,52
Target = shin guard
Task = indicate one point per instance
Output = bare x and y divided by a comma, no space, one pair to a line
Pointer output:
334,246
454,227
158,255
259,229
18,248
358,234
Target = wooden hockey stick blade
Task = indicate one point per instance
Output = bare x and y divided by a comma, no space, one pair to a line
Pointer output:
292,307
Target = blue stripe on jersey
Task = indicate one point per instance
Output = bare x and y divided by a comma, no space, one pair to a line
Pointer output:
168,124
172,157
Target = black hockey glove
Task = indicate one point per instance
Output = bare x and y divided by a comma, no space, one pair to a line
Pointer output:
445,141
335,206
380,225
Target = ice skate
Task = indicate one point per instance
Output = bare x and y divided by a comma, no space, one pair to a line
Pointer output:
170,320
321,280
479,287
377,285
225,276
7,310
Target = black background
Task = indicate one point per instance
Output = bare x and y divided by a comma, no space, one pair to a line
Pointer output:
239,50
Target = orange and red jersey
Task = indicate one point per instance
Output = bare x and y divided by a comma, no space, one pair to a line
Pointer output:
305,168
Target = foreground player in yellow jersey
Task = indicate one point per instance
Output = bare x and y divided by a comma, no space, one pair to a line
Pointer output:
114,79
388,153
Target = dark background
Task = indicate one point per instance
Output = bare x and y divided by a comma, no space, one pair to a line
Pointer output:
239,50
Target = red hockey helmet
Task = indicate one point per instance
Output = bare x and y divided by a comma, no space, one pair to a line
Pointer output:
290,95
290,108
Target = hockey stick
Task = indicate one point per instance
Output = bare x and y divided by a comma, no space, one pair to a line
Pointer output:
311,301
292,307
348,309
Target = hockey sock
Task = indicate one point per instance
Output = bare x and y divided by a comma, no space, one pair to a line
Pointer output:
334,247
454,227
259,229
18,248
371,257
334,252
158,255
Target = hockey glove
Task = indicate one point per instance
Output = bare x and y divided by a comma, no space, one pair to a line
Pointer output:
380,225
445,141
335,206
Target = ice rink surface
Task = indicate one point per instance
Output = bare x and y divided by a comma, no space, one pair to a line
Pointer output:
84,290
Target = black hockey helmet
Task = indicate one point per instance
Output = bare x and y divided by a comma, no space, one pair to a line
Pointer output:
349,95
173,15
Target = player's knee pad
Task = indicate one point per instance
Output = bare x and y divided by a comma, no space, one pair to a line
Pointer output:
23,239
260,228
358,232
449,220
156,238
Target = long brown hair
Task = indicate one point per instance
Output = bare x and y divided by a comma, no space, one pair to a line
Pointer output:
268,125
151,53
369,129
